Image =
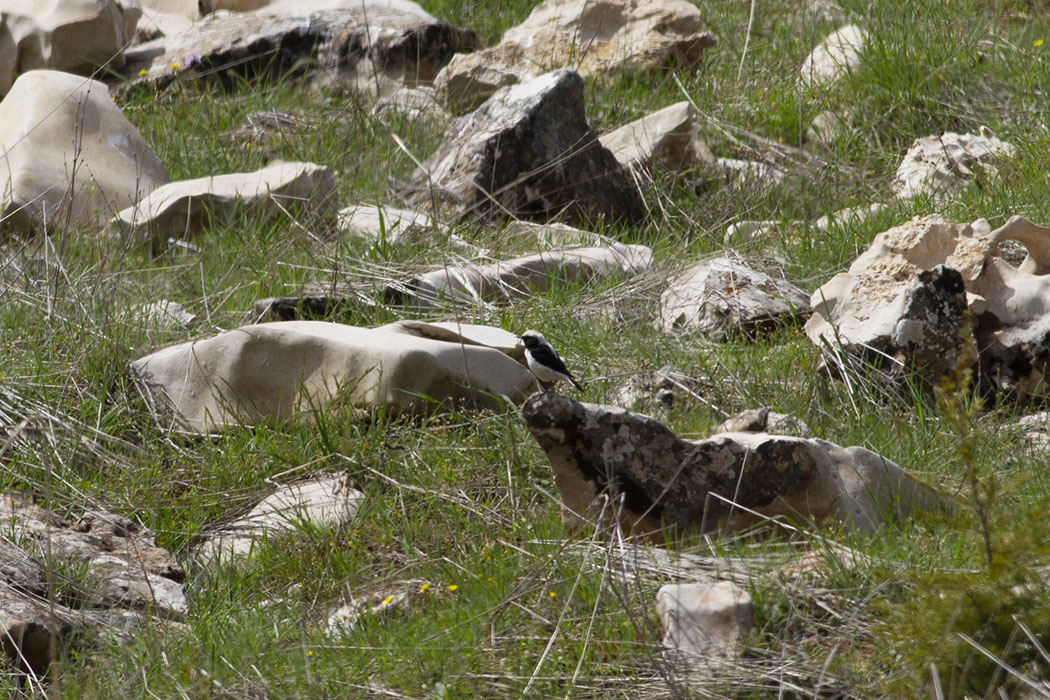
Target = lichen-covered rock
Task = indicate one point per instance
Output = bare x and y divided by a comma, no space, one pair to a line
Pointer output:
609,462
369,46
528,152
74,36
722,297
903,299
595,38
69,152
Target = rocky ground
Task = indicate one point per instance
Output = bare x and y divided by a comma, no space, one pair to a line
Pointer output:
268,429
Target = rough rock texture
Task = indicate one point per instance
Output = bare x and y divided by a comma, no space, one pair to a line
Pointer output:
181,209
528,152
411,104
595,38
663,140
125,575
69,152
374,224
903,299
703,621
319,502
660,389
722,297
76,36
939,165
521,277
272,372
763,420
366,46
603,456
835,57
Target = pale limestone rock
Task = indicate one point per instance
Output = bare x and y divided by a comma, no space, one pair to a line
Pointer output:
703,622
413,104
834,58
552,235
750,173
751,232
763,420
940,165
851,216
370,46
157,23
662,140
605,456
273,372
522,277
187,9
721,297
69,152
181,209
528,152
595,38
75,36
320,502
373,223
165,315
876,306
829,127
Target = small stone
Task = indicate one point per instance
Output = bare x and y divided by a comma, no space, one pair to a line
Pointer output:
703,622
835,57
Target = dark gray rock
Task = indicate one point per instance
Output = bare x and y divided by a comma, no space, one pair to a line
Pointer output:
527,152
727,481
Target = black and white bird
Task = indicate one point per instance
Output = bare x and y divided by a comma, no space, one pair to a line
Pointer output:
544,361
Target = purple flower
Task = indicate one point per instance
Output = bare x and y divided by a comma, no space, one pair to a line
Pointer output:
191,60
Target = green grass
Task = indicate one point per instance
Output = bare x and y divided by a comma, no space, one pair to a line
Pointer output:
469,500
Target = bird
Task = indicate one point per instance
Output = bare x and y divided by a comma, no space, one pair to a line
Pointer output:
543,359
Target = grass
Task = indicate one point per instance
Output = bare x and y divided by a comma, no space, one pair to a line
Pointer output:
466,503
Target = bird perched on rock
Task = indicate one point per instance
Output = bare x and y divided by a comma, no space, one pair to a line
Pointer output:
543,359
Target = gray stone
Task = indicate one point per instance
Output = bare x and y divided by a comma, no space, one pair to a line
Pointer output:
703,622
763,420
611,463
361,46
937,166
321,502
528,152
723,297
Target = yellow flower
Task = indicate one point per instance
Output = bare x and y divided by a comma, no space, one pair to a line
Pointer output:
424,588
452,587
310,653
388,599
552,595
1037,43
143,71
174,66
491,580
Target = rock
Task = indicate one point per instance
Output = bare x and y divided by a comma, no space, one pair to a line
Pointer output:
273,372
155,24
188,9
528,152
663,140
321,502
75,36
1035,431
69,152
852,216
722,297
703,622
750,173
182,209
367,46
726,482
413,104
904,297
389,601
937,166
829,127
375,224
165,315
836,57
520,277
125,575
552,234
763,420
595,38
661,389
751,232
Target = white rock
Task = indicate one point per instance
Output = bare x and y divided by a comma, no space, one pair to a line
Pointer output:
165,314
749,172
320,502
595,38
722,296
411,103
704,621
69,152
272,372
852,216
552,235
373,223
75,36
940,165
837,56
180,209
663,139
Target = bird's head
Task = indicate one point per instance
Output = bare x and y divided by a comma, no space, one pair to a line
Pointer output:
532,339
